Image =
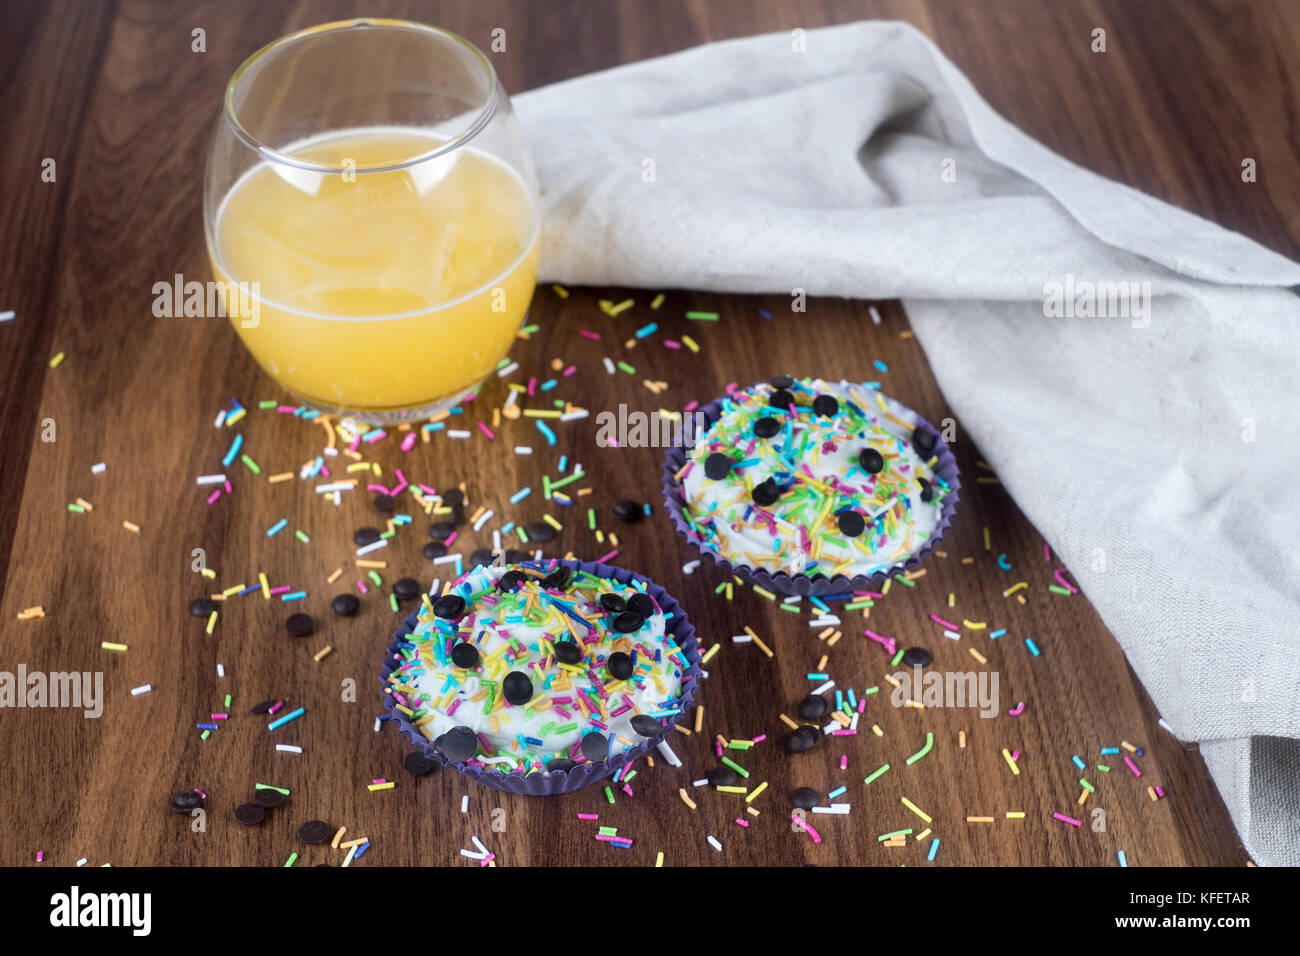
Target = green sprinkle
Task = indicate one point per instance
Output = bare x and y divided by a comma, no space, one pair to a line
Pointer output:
302,537
591,518
379,582
609,795
1087,786
877,774
252,465
267,786
269,403
227,700
897,657
870,690
792,608
293,857
1055,590
77,508
1103,768
736,767
859,605
205,735
392,602
576,476
703,316
607,831
885,836
904,581
626,368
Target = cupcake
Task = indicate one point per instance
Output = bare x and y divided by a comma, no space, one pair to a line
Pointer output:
542,677
812,487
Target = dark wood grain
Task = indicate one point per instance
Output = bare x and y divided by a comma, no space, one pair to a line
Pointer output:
114,94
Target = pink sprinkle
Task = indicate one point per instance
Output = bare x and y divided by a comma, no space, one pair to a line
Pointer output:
486,431
588,816
378,780
452,709
844,733
1047,553
889,643
1064,583
742,822
274,707
569,371
427,490
228,488
690,406
1070,820
760,738
1160,792
587,334
948,624
324,470
283,589
806,827
1015,755
382,489
671,344
862,706
1019,709
717,746
375,436
627,788
361,587
607,557
402,483
487,859
40,855
607,837
731,387
218,716
450,538
285,409
844,761
532,385
408,442
214,496
1132,766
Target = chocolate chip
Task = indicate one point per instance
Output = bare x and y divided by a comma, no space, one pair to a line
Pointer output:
406,588
185,801
539,531
780,399
802,740
434,549
628,511
723,777
766,427
613,603
517,688
927,490
383,503
464,655
805,798
619,665
263,707
717,466
871,461
202,607
299,625
441,530
629,622
567,652
345,605
923,440
766,493
457,745
813,707
511,580
851,523
314,831
782,381
559,764
364,536
514,555
481,557
559,578
270,799
453,497
250,814
595,746
827,406
917,657
457,515
449,606
645,725
642,603
417,764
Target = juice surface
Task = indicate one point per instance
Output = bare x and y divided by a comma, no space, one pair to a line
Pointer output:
380,290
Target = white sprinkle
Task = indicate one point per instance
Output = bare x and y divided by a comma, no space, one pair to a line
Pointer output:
433,588
221,670
81,862
667,752
479,843
464,804
825,687
510,399
690,566
483,519
288,748
824,620
609,364
347,860
98,469
378,724
952,635
833,725
1165,724
446,559
142,689
793,599
221,419
523,450
7,315
457,433
373,546
330,452
472,855
508,370
875,316
741,638
210,480
700,783
334,486
574,415
713,842
496,540
839,808
853,721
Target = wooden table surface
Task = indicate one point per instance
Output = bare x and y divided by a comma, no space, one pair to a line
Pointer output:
113,94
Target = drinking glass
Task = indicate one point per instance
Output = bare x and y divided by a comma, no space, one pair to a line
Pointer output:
371,217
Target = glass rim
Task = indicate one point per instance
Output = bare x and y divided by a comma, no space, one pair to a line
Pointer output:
270,154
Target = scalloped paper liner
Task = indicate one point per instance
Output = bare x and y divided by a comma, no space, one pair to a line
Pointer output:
545,783
782,582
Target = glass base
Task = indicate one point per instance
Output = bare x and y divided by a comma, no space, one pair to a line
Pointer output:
384,417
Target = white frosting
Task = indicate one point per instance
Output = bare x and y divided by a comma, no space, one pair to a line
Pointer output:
750,542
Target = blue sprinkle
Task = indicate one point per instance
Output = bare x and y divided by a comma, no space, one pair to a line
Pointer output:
880,365
276,528
934,848
1032,646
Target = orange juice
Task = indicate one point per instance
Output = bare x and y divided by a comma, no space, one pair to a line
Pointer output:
379,290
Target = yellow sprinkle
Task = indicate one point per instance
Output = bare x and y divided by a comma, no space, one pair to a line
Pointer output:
1015,814
110,646
1006,755
699,717
763,647
690,343
266,585
54,362
282,476
1014,588
553,523
988,545
363,563
922,835
767,594
979,819
334,844
131,526
917,810
789,723
731,789
659,860
381,786
686,798
621,307
961,739
875,729
978,656
85,504
756,791
212,622
335,576
357,842
322,653
1128,746
974,625
563,293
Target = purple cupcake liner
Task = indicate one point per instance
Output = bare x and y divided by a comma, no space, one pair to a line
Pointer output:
782,582
546,783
